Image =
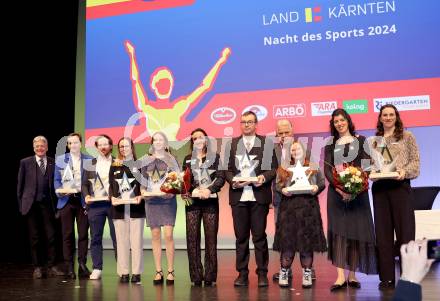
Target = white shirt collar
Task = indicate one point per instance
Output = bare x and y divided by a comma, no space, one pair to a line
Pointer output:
37,158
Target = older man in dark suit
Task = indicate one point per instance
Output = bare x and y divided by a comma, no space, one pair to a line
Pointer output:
250,200
35,193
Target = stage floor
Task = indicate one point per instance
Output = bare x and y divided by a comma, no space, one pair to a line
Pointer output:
16,283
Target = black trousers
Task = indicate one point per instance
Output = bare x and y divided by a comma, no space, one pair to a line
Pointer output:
194,216
250,217
71,211
393,211
40,220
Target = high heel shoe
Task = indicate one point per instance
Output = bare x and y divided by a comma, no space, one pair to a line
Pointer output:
160,280
168,281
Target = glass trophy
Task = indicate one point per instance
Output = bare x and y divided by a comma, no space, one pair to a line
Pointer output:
386,165
155,179
300,181
126,191
99,193
69,183
202,177
247,167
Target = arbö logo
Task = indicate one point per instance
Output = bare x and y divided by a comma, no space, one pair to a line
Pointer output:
260,111
291,110
223,115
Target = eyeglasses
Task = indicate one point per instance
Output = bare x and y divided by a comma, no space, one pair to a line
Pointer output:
249,122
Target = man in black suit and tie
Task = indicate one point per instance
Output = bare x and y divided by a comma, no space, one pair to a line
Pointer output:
250,200
36,201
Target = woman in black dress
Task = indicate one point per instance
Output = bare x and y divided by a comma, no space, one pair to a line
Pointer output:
299,225
207,180
351,241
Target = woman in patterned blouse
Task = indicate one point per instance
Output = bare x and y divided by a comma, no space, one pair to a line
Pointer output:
393,210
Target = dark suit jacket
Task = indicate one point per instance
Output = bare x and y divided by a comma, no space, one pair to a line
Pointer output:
27,183
407,291
263,149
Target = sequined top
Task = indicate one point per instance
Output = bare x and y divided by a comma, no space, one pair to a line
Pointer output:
406,153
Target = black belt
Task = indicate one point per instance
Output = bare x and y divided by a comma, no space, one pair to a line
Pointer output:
75,195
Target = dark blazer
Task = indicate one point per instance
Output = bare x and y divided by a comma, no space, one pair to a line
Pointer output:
117,172
407,291
263,193
27,183
218,175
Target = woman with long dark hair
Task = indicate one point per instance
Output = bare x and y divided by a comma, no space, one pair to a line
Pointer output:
350,236
393,211
206,181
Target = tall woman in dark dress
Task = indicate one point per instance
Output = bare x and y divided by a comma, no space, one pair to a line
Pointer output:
299,224
351,241
393,210
207,179
128,219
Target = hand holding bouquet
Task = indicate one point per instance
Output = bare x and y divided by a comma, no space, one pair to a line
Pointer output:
351,180
176,183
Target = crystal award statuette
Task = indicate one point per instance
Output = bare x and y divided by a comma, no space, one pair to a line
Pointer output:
155,180
247,167
300,182
202,177
99,192
69,184
126,191
386,165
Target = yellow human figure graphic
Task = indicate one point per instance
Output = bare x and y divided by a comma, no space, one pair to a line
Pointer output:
162,115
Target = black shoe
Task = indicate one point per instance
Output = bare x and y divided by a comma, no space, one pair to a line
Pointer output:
262,280
386,285
170,281
124,278
241,280
209,283
135,278
197,283
83,271
70,274
336,287
55,271
354,284
160,280
38,273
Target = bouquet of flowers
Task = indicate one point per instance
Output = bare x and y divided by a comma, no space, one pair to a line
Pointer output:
176,183
352,180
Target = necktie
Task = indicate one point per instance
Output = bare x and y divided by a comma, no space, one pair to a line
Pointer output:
42,166
248,146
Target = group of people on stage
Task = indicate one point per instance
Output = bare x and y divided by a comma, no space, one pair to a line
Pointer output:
256,169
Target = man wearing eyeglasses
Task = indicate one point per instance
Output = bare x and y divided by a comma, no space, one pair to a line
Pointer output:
250,199
99,208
